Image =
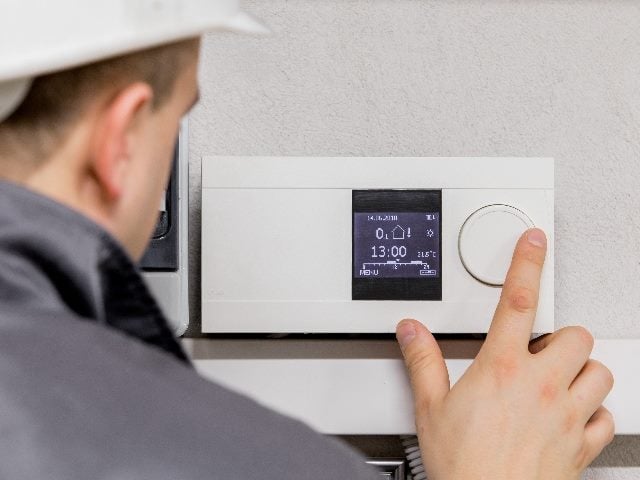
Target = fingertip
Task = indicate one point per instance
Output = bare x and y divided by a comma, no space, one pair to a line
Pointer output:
536,237
425,363
516,311
406,331
530,249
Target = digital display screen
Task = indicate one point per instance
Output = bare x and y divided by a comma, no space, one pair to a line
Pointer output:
396,244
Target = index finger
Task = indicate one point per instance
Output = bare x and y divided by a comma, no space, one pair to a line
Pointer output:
516,312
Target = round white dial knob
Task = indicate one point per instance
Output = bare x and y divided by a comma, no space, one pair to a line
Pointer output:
487,239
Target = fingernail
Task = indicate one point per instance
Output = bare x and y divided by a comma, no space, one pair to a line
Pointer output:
537,237
405,333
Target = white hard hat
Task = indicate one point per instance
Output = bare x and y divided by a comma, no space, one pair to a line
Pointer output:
38,37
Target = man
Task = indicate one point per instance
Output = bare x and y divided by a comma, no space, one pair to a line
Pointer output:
92,382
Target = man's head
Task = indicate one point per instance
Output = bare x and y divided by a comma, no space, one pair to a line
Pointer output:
100,138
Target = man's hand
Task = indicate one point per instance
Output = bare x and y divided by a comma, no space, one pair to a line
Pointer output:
521,411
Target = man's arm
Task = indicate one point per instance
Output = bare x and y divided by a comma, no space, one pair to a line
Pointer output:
521,411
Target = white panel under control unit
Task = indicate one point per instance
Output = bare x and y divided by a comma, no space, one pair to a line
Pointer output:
353,245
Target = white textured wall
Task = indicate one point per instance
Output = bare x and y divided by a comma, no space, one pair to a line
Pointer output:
492,78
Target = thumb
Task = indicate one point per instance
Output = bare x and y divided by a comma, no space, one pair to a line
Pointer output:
424,360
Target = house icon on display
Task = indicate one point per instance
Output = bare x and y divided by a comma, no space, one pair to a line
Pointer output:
398,233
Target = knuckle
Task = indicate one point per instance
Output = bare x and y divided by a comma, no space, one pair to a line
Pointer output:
521,299
606,376
611,429
609,379
505,366
421,361
421,410
548,392
607,429
609,435
583,336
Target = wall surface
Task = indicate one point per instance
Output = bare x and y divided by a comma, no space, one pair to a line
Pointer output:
455,78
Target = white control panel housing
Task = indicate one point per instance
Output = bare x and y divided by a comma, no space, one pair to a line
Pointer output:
279,241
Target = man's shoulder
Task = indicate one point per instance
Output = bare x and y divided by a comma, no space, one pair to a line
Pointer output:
72,389
56,338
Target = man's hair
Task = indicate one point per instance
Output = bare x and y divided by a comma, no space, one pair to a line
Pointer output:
57,102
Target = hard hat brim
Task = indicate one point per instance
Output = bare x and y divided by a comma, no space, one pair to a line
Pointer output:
110,32
244,23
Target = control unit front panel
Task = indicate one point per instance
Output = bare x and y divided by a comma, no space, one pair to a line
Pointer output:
353,245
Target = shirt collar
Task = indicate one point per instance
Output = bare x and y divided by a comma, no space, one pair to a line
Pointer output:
55,256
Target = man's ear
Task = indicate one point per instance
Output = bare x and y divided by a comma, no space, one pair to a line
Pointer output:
117,137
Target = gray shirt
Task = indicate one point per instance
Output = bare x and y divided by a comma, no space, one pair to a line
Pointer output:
93,385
